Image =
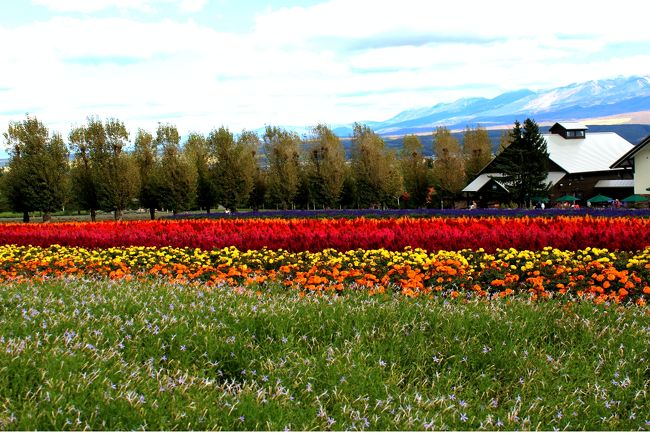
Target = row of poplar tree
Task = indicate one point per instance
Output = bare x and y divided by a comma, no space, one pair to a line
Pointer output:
100,169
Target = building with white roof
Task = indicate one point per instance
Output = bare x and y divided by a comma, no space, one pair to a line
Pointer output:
580,165
637,160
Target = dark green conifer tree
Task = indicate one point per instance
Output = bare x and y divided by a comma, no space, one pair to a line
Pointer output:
523,165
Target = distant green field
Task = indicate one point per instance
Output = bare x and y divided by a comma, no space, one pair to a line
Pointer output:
124,356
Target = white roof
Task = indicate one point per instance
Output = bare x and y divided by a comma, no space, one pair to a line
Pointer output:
572,125
481,180
552,178
615,183
596,152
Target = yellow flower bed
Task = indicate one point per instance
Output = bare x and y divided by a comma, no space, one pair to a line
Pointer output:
592,273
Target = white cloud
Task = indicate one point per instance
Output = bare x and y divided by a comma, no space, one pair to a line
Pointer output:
92,6
458,19
192,5
335,62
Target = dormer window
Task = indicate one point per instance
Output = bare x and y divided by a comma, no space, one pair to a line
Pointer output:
569,130
575,134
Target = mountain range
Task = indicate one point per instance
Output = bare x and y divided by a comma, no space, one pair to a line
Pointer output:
593,100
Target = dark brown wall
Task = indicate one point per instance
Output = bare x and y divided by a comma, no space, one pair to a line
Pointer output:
582,185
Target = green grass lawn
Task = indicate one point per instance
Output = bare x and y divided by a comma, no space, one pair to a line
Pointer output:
126,356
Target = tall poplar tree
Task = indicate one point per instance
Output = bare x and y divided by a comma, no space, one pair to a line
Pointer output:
37,169
199,155
377,176
104,175
325,168
415,171
504,141
251,144
523,165
449,165
88,144
233,168
282,153
147,159
120,175
177,177
477,149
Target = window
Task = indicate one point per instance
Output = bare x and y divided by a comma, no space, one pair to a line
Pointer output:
575,134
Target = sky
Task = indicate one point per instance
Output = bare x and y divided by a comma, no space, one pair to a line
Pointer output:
243,64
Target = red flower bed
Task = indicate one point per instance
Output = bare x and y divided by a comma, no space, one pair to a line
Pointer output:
569,233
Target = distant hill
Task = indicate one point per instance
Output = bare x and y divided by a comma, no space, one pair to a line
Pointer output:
578,101
633,133
620,105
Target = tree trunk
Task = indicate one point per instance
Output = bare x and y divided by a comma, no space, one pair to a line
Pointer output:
47,217
174,211
152,213
25,217
118,215
93,215
208,209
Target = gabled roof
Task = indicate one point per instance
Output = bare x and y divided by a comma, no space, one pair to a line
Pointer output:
482,180
552,178
622,162
615,183
569,125
597,151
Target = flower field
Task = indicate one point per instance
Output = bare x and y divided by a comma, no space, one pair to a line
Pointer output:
431,234
601,259
592,273
521,323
